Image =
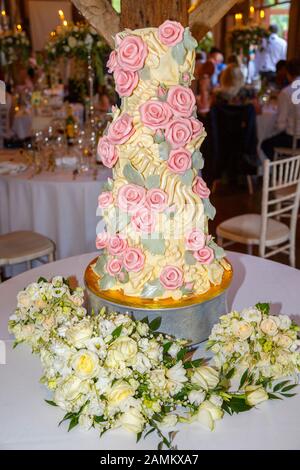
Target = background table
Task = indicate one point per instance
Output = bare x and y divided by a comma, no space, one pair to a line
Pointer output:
32,424
266,127
54,205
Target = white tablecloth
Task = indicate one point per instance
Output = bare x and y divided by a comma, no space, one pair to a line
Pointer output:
32,424
54,205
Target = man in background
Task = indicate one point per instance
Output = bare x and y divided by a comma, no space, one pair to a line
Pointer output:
272,50
288,118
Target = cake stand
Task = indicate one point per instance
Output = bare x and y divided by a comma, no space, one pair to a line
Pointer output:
192,317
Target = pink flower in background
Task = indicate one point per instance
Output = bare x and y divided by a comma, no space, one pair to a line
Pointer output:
171,277
144,220
102,240
156,200
179,160
126,81
112,62
179,132
155,114
197,127
205,255
200,187
131,197
105,199
195,240
132,53
121,129
117,245
134,259
107,152
114,266
182,100
170,33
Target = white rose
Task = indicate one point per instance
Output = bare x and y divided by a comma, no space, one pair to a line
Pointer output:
196,397
284,358
142,363
169,421
119,392
132,421
242,329
57,281
154,351
79,333
269,326
206,377
177,373
24,300
285,322
114,360
208,413
72,42
284,341
255,395
85,364
174,350
126,347
251,314
142,328
70,390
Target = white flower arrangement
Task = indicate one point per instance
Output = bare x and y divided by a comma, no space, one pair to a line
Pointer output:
109,370
14,46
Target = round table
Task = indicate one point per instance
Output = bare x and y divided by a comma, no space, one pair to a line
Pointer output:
53,204
266,127
32,424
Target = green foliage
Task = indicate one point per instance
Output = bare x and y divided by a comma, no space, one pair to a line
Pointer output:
264,308
132,175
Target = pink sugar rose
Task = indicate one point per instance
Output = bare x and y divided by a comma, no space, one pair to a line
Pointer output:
195,240
112,62
197,127
144,220
171,277
121,129
170,33
182,100
102,240
132,53
156,200
105,199
114,266
131,197
134,259
205,255
107,152
179,160
155,114
126,81
179,132
117,245
200,188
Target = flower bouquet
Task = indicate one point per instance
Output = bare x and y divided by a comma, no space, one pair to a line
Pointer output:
243,38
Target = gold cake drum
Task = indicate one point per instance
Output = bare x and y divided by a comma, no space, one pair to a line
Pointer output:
191,317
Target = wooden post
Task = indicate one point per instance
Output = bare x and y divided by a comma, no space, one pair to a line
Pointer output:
294,31
140,14
207,14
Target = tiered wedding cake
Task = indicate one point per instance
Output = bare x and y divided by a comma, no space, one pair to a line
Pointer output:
156,243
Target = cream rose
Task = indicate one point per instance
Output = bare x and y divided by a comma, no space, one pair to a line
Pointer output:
78,334
255,395
242,329
85,364
132,420
206,377
127,348
269,326
208,413
119,392
196,397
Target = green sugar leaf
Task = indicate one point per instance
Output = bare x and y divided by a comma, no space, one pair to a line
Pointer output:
107,282
152,181
144,73
159,138
197,160
156,244
209,209
108,185
122,219
187,178
101,262
189,258
164,150
132,175
189,42
179,53
152,289
218,250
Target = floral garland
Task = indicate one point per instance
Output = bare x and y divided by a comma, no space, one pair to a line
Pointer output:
79,41
109,370
14,46
245,37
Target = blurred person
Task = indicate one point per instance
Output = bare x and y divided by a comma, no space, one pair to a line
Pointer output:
272,50
204,87
281,75
217,58
231,82
288,118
